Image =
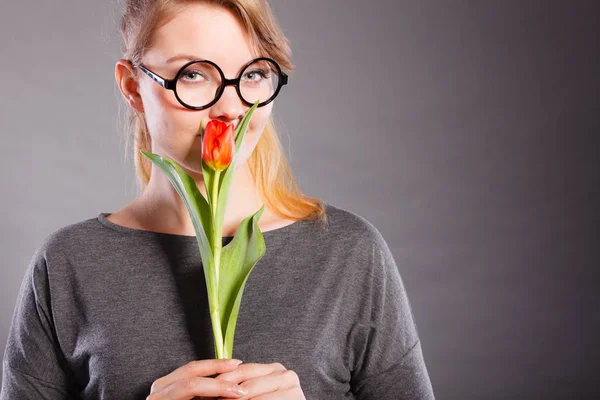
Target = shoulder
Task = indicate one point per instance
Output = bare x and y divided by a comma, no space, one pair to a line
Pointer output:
352,227
68,239
357,251
56,251
351,234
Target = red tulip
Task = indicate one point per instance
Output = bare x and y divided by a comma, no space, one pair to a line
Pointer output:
218,145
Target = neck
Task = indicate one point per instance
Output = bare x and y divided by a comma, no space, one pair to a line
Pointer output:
163,206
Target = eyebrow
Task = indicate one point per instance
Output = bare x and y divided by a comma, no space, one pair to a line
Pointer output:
183,57
187,57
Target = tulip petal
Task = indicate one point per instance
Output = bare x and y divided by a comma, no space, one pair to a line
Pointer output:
218,145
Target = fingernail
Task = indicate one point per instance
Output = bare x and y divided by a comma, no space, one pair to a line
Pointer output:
239,390
234,362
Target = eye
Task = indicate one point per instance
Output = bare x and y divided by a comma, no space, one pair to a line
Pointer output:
192,76
257,74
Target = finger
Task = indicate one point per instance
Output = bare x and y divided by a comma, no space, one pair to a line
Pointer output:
273,382
294,393
248,371
194,369
189,388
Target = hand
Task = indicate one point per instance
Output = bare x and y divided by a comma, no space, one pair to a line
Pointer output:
194,379
264,382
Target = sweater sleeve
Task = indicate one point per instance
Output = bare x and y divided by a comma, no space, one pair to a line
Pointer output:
388,359
33,363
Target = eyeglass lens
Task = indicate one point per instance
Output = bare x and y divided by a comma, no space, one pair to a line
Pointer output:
199,84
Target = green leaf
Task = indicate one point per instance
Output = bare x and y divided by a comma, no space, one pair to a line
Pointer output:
226,177
195,203
240,131
209,174
237,261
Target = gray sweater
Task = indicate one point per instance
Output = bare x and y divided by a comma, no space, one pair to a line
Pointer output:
104,310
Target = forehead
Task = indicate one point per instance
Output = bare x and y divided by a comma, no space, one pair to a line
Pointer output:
205,31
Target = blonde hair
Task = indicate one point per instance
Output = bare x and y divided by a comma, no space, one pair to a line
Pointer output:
267,163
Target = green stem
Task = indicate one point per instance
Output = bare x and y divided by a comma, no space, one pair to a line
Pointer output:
216,249
216,323
217,239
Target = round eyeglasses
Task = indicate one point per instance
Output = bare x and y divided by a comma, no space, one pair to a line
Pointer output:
200,83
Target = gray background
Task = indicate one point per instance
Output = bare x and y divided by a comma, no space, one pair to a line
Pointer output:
463,130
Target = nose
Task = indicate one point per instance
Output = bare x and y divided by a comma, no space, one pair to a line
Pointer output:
229,107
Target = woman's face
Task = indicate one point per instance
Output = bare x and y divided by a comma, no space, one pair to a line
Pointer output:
203,32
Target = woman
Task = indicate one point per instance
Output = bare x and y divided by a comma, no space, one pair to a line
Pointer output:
115,307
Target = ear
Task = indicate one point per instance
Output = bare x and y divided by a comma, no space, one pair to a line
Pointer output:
124,75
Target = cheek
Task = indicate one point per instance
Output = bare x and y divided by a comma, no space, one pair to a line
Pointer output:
167,119
259,121
153,96
155,112
260,118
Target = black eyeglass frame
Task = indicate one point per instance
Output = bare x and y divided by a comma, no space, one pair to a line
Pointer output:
170,84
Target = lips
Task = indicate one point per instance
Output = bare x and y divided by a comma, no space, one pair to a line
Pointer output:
234,128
